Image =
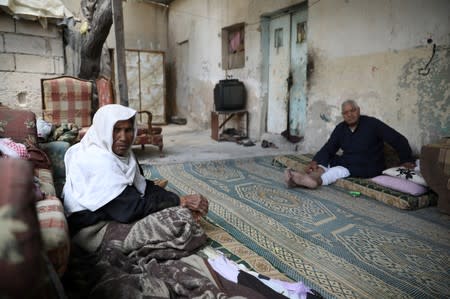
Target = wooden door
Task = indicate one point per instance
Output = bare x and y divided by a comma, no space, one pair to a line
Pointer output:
146,83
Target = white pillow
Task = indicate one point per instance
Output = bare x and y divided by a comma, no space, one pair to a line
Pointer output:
407,174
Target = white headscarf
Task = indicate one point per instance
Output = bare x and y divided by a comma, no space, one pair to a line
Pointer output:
95,175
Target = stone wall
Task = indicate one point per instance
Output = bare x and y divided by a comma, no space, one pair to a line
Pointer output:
28,52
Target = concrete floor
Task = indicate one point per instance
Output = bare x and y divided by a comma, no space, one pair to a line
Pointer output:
183,144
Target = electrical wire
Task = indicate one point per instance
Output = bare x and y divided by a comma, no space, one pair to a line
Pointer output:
425,70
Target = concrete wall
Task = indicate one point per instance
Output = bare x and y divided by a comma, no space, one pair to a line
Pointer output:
145,24
371,51
367,50
194,29
28,52
145,27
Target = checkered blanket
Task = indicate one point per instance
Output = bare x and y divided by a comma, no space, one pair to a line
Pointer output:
12,149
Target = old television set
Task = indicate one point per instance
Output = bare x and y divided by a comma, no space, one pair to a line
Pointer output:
229,95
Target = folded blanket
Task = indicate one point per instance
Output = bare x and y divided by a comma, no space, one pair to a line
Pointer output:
153,257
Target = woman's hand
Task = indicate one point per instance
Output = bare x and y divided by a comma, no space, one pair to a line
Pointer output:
197,203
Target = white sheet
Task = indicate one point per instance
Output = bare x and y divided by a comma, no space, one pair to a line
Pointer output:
36,9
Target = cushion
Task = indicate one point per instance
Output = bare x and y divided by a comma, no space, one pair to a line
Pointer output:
54,232
45,181
21,262
407,174
19,125
400,184
56,150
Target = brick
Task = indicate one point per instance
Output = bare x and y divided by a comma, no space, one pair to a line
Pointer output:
15,43
13,83
36,29
6,23
34,64
56,47
6,62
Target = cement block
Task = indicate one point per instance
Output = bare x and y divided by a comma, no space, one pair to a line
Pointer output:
13,83
59,65
36,29
34,64
56,47
6,23
15,43
6,62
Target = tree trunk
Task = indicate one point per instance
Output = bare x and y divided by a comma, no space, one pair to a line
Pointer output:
84,49
92,41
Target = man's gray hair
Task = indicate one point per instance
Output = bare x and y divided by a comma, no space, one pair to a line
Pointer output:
349,102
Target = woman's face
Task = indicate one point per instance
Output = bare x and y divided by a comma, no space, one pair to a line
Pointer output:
123,134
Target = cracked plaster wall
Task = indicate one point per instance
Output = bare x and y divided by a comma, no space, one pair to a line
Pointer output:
196,27
371,51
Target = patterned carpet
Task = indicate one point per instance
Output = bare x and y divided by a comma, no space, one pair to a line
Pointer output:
342,246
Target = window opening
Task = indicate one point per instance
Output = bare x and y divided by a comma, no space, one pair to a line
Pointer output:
233,46
278,38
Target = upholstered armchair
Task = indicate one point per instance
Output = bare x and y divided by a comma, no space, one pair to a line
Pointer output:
67,99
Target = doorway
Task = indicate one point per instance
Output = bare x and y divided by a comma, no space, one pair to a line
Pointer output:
285,50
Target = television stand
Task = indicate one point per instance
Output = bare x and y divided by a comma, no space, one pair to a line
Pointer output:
220,118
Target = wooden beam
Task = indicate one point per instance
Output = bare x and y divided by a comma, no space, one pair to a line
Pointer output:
120,51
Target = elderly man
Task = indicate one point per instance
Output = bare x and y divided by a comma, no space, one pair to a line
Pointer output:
361,139
103,178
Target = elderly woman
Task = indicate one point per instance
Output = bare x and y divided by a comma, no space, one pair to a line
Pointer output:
103,178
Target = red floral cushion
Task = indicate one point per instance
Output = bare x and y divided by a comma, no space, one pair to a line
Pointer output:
19,125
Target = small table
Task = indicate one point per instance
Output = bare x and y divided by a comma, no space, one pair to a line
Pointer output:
220,118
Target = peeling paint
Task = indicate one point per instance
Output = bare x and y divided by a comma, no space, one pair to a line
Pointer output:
324,118
433,104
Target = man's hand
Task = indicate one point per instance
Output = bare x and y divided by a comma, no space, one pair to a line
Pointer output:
409,165
197,203
312,166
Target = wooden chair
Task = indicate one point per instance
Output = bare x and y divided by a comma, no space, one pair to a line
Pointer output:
66,99
146,133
